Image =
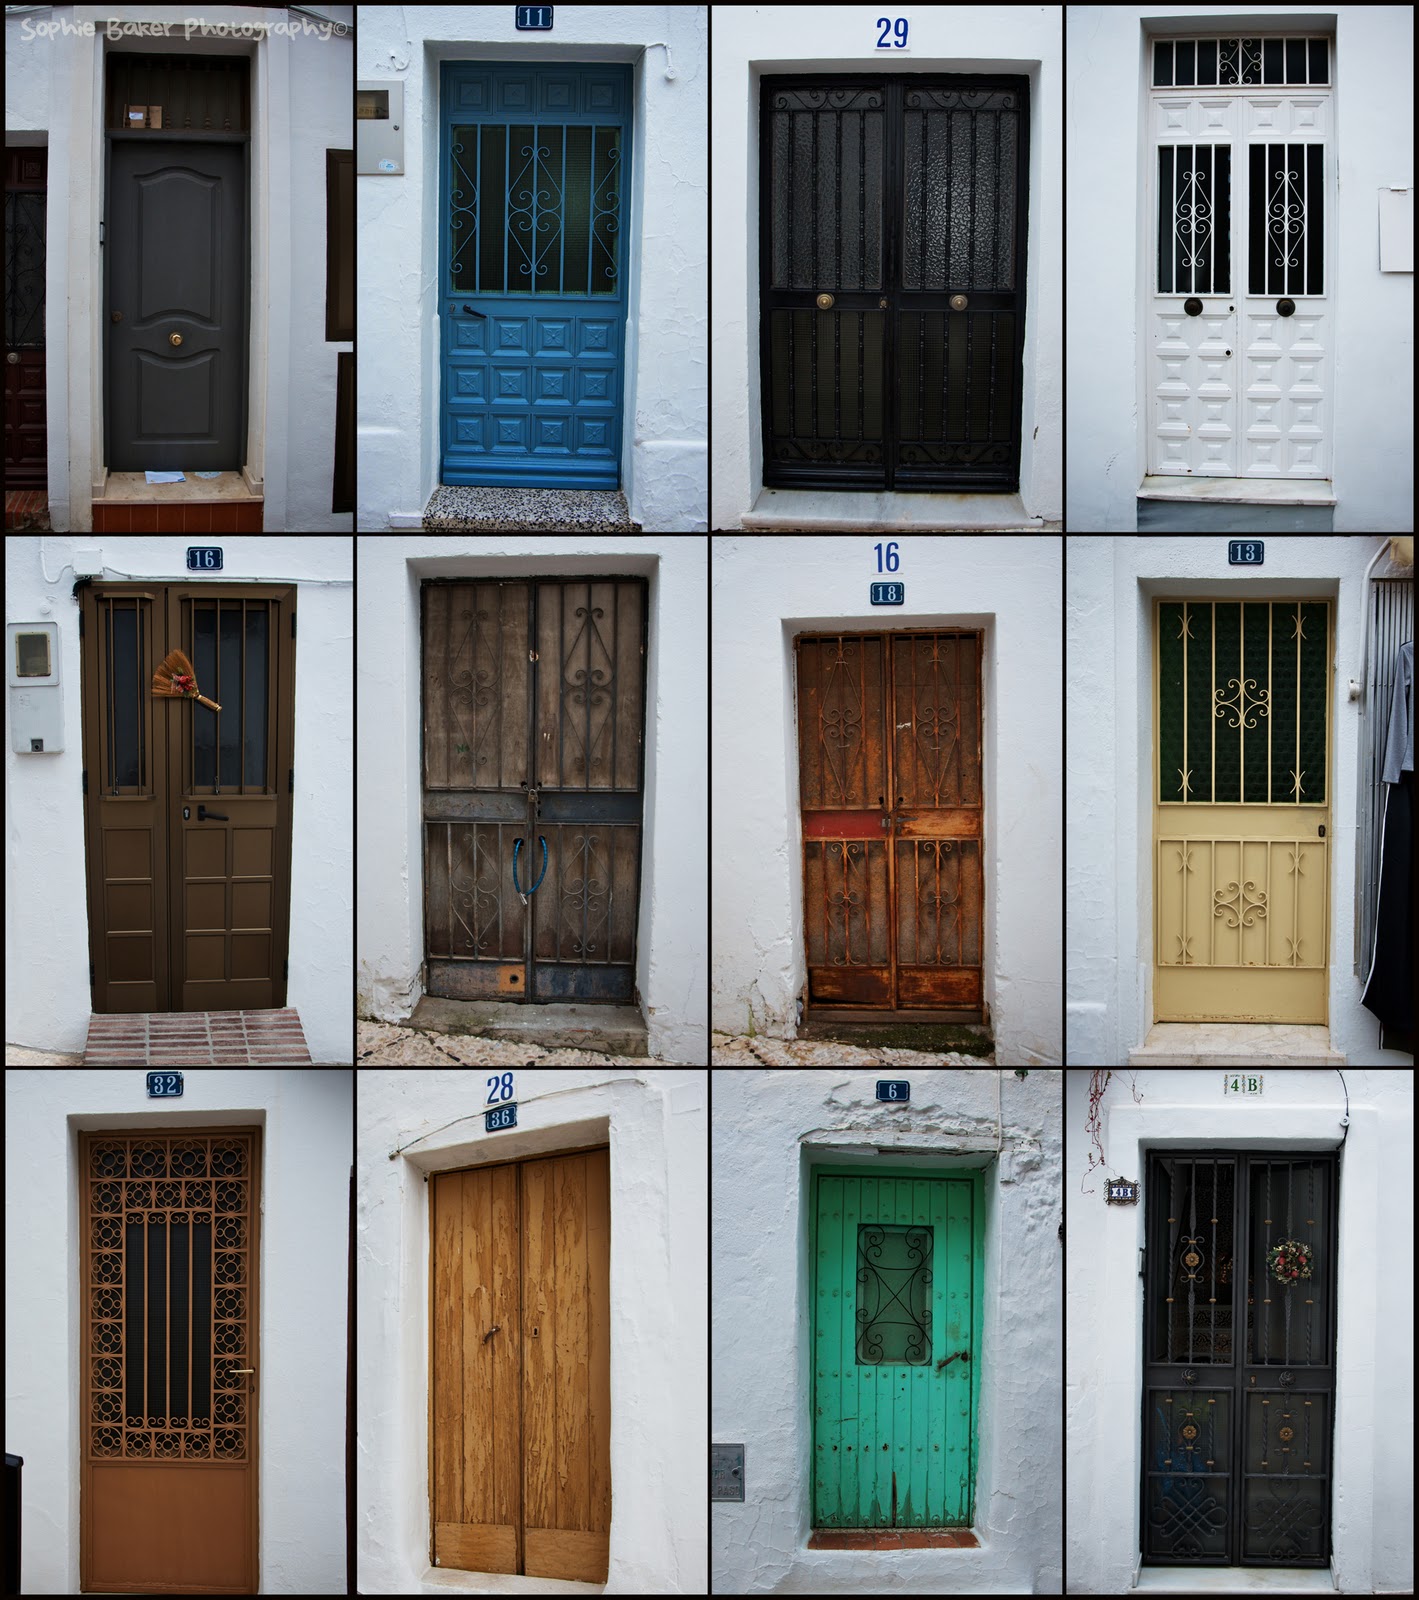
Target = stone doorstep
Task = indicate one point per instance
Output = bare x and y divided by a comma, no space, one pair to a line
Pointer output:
1235,1044
127,487
458,507
612,1030
197,1039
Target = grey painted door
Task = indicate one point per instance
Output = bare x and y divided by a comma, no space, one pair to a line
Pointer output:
177,290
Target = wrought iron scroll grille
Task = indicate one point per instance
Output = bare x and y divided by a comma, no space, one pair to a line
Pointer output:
1286,202
24,268
1222,63
893,1294
1194,218
1239,1381
170,1223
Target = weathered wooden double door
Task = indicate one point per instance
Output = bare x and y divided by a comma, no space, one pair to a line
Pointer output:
520,1407
1242,904
534,695
896,1347
1239,1338
889,761
188,810
892,278
169,1264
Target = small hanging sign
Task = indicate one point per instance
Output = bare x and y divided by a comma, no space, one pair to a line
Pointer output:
1121,1191
164,1085
894,1090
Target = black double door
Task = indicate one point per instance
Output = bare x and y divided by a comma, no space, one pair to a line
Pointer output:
892,271
1239,1345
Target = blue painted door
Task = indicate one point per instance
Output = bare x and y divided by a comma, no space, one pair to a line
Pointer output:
533,273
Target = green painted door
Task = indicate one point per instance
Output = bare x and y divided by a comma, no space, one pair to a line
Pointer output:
897,1291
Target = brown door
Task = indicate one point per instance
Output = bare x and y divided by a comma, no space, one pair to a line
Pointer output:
26,193
520,1408
187,810
889,748
534,696
170,1266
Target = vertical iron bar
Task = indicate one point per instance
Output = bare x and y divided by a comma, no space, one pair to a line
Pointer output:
1212,1264
1212,701
167,1321
1191,1275
1216,220
1242,730
112,742
142,702
586,754
191,1263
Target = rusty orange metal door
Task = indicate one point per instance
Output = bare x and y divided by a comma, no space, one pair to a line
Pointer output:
520,1405
169,1269
889,746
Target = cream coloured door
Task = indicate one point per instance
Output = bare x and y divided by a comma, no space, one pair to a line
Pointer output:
1239,313
1242,810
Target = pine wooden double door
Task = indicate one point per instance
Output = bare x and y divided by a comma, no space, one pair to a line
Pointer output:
889,757
520,1408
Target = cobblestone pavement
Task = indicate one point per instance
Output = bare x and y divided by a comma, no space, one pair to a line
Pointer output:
743,1052
377,1044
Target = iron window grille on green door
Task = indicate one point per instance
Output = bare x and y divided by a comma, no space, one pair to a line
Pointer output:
897,1295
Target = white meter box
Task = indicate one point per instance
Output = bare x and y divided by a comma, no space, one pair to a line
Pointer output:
36,709
379,129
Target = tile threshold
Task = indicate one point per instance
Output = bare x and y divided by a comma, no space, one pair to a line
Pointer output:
268,1038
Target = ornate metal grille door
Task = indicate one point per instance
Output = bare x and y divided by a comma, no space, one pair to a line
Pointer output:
170,1266
1239,1336
533,732
533,261
1242,861
896,1342
892,273
520,1403
26,195
1243,175
188,810
889,748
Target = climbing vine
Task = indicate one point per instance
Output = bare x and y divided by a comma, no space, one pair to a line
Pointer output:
1094,1123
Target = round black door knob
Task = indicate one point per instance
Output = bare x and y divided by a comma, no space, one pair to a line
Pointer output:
1285,308
1193,307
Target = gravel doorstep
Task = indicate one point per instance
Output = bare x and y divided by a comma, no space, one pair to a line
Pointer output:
744,1052
378,1044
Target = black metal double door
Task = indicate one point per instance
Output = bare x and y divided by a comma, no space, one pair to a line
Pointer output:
892,272
1239,1346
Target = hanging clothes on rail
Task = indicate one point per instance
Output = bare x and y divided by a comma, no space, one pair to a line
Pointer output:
1389,990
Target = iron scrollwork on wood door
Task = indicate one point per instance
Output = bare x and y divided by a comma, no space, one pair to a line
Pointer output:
1240,1346
533,697
892,242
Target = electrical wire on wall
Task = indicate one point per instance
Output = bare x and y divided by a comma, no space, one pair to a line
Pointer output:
549,1094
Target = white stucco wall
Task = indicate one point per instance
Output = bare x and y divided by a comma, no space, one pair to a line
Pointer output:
670,945
765,592
46,979
1110,587
1371,418
751,41
663,438
1373,1468
300,106
305,1117
770,1130
654,1122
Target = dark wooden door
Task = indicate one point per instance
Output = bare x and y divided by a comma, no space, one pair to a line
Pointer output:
176,258
889,746
520,1404
534,721
892,270
170,1264
1239,1382
26,195
187,810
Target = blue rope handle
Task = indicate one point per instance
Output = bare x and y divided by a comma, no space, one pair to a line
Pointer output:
536,886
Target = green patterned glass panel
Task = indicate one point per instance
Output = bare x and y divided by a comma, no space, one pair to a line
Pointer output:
1315,654
1256,683
1199,701
1227,710
1170,701
1283,701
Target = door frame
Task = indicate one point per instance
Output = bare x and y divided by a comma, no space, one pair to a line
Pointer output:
817,478
165,753
828,1012
1242,1157
167,1128
975,1175
517,1161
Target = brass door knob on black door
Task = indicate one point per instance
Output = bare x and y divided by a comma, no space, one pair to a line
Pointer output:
174,338
825,302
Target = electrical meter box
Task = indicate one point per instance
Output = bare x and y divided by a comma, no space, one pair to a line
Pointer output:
379,129
36,710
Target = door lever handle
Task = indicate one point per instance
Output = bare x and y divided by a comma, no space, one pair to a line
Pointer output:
482,315
960,1355
241,1372
217,816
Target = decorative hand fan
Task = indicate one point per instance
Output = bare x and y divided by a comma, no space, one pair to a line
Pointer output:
175,680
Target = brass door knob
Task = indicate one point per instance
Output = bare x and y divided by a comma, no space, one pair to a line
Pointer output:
115,316
958,302
174,338
825,302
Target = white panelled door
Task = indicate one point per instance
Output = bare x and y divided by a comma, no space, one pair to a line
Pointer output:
1242,176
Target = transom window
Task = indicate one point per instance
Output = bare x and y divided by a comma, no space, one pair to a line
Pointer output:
1190,63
